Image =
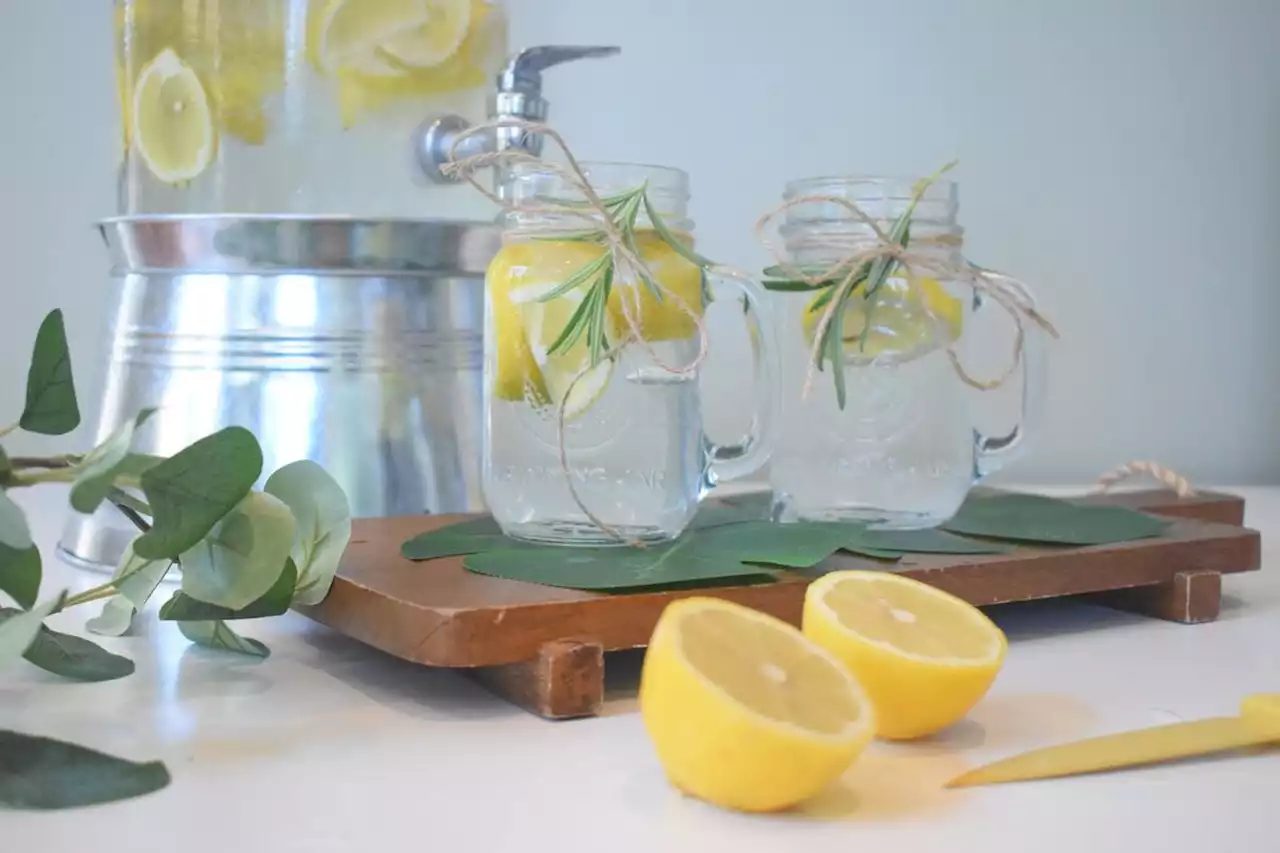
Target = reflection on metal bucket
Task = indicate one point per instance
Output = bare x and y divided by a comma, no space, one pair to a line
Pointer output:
355,343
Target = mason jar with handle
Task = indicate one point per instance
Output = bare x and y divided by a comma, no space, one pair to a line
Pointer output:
606,449
902,449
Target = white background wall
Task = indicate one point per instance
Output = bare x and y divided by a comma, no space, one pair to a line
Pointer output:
1122,155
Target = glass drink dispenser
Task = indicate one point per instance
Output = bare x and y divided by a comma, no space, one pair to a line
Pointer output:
288,257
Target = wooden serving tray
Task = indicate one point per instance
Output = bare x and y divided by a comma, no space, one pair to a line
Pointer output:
543,647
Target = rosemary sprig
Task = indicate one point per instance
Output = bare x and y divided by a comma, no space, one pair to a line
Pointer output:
866,281
591,318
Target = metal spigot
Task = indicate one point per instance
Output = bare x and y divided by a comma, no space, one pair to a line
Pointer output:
519,95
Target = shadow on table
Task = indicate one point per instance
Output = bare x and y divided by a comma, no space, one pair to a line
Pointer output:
408,688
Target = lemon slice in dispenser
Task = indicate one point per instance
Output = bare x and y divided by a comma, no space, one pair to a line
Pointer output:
435,41
172,121
543,322
386,38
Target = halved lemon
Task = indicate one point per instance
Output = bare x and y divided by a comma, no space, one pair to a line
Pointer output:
744,711
172,122
903,320
924,656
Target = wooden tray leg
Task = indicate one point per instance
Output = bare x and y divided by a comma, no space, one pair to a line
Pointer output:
565,680
1191,597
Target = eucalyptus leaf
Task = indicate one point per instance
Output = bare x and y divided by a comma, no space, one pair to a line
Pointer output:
613,569
195,489
14,530
51,394
183,608
97,472
20,572
18,628
323,516
115,619
43,773
72,657
135,580
1050,521
218,635
243,555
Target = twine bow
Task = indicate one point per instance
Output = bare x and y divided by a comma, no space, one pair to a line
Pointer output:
571,219
860,254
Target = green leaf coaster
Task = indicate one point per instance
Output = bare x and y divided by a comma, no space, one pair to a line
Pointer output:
1035,519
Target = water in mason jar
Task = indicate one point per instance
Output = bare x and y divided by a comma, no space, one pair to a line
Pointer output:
635,453
899,455
297,106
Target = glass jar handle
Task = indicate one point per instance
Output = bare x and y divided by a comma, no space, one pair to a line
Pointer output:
994,452
731,461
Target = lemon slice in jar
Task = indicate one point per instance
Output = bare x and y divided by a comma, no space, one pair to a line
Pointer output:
903,321
172,122
567,375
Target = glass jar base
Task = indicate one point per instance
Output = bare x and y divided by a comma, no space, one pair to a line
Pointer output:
584,534
875,518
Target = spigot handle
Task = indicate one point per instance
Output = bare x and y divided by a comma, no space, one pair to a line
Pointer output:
524,71
519,95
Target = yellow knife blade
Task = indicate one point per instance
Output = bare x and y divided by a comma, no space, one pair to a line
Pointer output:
1258,724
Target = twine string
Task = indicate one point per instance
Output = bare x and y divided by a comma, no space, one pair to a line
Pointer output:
857,251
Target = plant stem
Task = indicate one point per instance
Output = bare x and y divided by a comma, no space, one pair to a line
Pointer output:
8,430
130,507
97,593
67,460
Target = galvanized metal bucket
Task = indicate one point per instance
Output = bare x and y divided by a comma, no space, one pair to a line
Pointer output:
356,343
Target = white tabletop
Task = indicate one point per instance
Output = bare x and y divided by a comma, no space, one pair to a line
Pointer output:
332,746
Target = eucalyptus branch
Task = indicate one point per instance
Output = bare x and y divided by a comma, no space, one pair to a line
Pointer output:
50,463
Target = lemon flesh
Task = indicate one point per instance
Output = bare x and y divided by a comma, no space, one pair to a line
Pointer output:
172,121
744,711
525,327
904,320
924,656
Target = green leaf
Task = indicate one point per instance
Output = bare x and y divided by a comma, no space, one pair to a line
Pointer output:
243,555
467,537
925,542
323,516
51,394
183,608
1043,520
18,628
70,656
135,580
20,572
195,489
43,773
115,619
797,546
14,531
97,473
218,635
783,285
603,569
